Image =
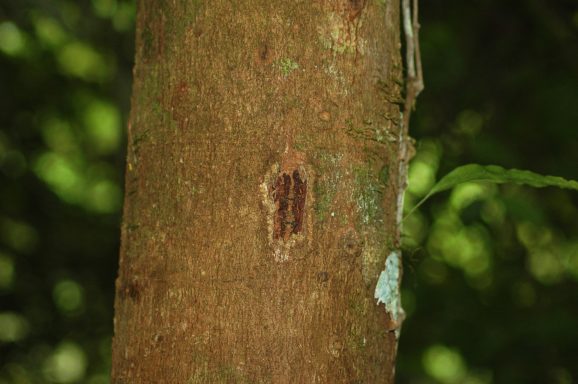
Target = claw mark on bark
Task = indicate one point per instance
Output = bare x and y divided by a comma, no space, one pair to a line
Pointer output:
289,194
263,52
285,197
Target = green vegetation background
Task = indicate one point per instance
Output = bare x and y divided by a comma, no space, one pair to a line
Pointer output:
490,285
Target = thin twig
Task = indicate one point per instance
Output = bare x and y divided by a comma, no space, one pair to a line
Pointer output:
413,86
414,76
419,85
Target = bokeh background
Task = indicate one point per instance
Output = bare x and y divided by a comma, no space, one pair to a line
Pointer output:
490,284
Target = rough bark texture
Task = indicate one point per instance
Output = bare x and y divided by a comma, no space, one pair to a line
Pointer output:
261,193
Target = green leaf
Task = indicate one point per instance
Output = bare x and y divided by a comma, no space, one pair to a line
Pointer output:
495,174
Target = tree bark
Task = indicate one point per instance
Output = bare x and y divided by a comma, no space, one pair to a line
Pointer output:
262,189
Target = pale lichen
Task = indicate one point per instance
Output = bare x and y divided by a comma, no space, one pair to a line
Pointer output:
368,195
327,185
371,255
340,35
286,66
387,289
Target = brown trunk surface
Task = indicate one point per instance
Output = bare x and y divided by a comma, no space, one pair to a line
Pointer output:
261,193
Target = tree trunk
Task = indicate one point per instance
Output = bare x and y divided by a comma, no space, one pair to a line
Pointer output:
262,191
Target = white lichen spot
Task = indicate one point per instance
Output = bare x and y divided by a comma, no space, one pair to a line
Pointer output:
335,348
287,65
370,255
269,204
339,85
387,289
340,35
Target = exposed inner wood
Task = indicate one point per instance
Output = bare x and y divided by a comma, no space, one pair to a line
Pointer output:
289,194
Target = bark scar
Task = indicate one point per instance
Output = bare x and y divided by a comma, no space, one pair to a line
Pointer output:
287,199
289,194
355,8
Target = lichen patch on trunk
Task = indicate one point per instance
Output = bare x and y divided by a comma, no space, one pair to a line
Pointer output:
387,290
340,32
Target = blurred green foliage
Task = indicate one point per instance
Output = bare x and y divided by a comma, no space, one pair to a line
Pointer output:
490,284
65,75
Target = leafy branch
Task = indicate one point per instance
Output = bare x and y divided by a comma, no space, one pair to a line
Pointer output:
497,175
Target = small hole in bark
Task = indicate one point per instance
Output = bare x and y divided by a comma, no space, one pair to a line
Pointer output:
350,244
263,52
132,290
322,276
